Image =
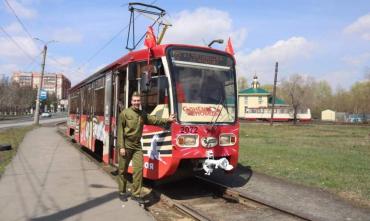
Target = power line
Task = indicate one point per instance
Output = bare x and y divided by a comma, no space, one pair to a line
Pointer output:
19,20
16,43
110,41
30,65
53,59
103,47
23,27
30,35
64,65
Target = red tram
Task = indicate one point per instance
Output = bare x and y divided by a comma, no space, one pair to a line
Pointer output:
198,84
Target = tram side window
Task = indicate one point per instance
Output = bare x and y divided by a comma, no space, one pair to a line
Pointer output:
122,93
87,99
78,103
156,101
73,106
157,94
85,107
99,97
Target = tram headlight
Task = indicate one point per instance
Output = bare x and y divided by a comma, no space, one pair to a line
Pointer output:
188,140
227,139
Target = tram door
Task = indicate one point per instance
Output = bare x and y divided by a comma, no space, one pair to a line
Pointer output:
78,115
97,116
119,101
86,116
105,127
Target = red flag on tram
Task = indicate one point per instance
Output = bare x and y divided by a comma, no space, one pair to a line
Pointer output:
229,47
150,40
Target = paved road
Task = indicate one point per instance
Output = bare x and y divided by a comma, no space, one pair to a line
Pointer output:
22,123
18,119
49,179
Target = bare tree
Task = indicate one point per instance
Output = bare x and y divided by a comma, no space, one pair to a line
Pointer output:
51,100
322,97
296,90
367,73
268,87
360,93
242,83
15,99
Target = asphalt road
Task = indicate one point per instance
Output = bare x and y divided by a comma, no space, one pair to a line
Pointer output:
25,121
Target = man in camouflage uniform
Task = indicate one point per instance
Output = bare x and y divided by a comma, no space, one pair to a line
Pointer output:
130,129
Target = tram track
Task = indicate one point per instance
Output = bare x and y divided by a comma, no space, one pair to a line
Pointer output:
204,200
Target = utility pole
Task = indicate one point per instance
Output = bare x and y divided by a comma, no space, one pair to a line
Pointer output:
36,116
274,94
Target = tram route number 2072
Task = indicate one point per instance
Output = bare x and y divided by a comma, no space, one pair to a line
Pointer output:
186,130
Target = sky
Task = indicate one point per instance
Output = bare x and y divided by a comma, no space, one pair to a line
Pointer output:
325,39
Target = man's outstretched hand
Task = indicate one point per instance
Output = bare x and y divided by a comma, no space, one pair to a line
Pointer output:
172,118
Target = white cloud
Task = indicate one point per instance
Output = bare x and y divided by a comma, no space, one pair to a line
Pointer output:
13,28
67,35
358,60
7,69
67,66
360,27
261,61
98,68
202,26
17,52
341,78
12,58
21,10
9,50
60,62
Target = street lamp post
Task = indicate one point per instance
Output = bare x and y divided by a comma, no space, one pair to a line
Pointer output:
36,115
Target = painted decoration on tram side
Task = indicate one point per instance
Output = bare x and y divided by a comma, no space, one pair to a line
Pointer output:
84,136
98,129
153,151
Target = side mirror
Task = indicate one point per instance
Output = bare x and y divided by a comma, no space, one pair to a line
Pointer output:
145,82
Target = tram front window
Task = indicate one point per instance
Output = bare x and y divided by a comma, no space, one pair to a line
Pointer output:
204,93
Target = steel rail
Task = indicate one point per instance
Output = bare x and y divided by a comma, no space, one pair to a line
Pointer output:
243,198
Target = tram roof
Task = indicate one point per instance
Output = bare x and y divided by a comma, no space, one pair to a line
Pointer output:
138,55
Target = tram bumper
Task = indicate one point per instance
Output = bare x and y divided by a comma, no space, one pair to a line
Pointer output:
210,164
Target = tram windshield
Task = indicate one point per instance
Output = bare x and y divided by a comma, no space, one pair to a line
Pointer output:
204,86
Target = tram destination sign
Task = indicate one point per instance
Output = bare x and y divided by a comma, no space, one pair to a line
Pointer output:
201,57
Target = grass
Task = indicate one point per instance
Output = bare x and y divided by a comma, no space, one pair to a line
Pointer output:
13,136
332,157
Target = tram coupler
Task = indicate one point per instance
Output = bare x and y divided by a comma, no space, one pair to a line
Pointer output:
210,164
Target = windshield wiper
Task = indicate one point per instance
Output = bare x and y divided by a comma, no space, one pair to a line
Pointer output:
219,113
